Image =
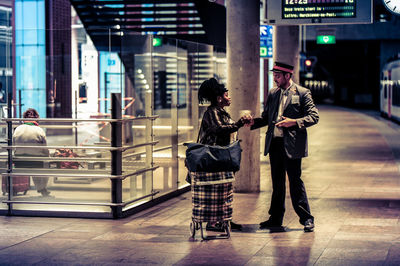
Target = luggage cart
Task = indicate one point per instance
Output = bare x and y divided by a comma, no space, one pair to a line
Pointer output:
212,197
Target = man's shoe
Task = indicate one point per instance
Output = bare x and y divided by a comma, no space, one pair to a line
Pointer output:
235,226
270,224
309,225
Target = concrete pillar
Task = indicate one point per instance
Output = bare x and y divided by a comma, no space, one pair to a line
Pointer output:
243,61
286,45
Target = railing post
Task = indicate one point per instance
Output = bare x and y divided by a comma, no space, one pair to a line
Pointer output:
195,115
147,178
19,103
116,155
9,143
174,140
76,117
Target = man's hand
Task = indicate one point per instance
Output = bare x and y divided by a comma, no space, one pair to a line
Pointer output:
286,122
247,120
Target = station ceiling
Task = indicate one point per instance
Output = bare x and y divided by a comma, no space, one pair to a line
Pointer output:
193,20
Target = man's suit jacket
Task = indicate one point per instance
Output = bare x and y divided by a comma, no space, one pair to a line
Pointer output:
301,108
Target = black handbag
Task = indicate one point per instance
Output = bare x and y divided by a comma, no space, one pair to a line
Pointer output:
209,158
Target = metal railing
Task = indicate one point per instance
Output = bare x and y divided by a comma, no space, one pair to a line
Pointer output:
116,173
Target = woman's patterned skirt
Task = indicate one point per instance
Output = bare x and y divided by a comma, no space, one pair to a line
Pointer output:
212,196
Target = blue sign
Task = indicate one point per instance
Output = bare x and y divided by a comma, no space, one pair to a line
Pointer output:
266,41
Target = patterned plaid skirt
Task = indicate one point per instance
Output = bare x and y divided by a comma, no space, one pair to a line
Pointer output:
212,196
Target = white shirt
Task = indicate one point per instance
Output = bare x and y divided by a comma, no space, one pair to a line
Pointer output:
30,135
278,132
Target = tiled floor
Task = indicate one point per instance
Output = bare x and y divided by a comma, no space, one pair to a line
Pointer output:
352,179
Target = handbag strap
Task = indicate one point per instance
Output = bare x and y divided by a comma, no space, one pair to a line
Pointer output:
215,139
198,139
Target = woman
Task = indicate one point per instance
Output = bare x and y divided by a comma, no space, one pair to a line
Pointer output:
217,127
30,134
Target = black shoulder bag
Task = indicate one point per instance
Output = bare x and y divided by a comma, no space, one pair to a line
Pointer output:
213,158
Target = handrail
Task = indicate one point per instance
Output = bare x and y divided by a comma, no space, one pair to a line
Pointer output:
153,143
61,175
62,203
109,204
63,159
122,177
142,197
53,171
170,146
141,171
109,148
154,151
60,159
62,147
153,117
143,152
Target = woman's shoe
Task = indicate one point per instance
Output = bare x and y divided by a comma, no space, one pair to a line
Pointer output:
270,223
235,226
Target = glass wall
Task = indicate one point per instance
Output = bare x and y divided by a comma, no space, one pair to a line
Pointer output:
90,167
30,62
5,55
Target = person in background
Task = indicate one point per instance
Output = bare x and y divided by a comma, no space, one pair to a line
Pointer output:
30,134
289,111
217,127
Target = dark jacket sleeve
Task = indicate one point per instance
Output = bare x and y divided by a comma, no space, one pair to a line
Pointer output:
217,125
259,122
311,116
263,120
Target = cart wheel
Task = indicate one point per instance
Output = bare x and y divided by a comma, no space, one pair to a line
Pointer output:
193,226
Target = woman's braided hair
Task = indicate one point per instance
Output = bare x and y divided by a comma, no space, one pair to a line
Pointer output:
209,90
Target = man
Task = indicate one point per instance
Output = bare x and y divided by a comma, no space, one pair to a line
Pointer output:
288,112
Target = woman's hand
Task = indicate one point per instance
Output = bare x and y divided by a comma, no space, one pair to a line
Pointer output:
247,120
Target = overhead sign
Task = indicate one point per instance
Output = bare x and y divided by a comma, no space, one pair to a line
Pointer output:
292,9
326,39
266,41
299,12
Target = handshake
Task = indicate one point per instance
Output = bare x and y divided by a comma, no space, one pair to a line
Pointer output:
246,118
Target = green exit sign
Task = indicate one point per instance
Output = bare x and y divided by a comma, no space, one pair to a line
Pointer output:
263,51
326,39
157,42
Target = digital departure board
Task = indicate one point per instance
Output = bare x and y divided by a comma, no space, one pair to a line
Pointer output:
300,12
294,9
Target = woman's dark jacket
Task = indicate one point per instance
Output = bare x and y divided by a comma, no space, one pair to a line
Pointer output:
217,126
